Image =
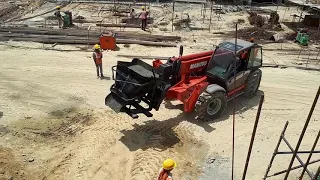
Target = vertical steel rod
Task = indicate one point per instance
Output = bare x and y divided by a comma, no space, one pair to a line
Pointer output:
172,16
276,150
308,58
311,152
252,137
234,101
210,15
299,53
303,132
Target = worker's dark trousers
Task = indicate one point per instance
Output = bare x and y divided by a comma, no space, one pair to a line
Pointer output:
143,24
99,67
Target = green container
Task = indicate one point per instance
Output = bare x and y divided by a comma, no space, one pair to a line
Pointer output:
66,20
302,38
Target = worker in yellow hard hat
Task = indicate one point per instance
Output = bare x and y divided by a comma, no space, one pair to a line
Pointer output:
97,58
165,171
57,13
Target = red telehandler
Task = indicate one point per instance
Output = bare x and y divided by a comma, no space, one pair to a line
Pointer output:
204,82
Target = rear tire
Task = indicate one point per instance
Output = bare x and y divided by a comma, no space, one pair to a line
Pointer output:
253,83
210,106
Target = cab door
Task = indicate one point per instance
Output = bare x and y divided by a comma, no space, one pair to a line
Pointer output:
255,58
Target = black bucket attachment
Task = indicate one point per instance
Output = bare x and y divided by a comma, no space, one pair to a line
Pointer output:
138,87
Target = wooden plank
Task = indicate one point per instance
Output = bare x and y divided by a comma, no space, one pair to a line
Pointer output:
83,32
120,25
143,57
108,2
192,1
76,40
136,20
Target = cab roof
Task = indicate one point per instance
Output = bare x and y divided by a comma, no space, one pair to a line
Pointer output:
241,45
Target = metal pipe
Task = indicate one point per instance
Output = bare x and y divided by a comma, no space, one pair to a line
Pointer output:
299,152
311,152
276,150
298,158
252,137
303,132
234,103
293,168
172,15
210,15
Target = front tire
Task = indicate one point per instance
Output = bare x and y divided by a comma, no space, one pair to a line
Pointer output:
210,106
253,83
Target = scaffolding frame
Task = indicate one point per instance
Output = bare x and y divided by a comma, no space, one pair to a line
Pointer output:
296,151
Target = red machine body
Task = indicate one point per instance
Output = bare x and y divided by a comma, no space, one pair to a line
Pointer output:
188,89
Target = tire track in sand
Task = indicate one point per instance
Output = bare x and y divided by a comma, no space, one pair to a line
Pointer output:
172,138
92,149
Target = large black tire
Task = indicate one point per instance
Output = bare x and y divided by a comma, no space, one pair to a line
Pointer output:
210,106
253,83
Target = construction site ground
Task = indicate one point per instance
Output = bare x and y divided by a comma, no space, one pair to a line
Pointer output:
54,123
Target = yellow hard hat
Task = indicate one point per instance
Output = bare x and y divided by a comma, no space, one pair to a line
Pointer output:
169,164
58,7
142,7
97,46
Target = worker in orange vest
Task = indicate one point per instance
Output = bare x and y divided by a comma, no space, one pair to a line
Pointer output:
143,15
165,171
97,57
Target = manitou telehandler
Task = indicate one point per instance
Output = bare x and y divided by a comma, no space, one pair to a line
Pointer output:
204,82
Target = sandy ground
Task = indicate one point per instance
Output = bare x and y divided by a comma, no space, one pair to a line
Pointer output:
54,124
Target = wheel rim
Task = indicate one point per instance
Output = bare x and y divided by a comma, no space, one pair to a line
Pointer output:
214,106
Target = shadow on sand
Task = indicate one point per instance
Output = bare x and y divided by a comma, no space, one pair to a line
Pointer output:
162,135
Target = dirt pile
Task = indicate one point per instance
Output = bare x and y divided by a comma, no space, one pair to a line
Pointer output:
13,10
255,32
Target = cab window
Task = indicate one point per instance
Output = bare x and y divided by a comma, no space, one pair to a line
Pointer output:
255,59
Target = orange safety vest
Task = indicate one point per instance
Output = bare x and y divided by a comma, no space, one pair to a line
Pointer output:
98,57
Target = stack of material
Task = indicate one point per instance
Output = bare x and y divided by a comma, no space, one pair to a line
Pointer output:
268,21
256,19
81,36
136,20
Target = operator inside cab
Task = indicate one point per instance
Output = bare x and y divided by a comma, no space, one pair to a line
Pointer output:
244,56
